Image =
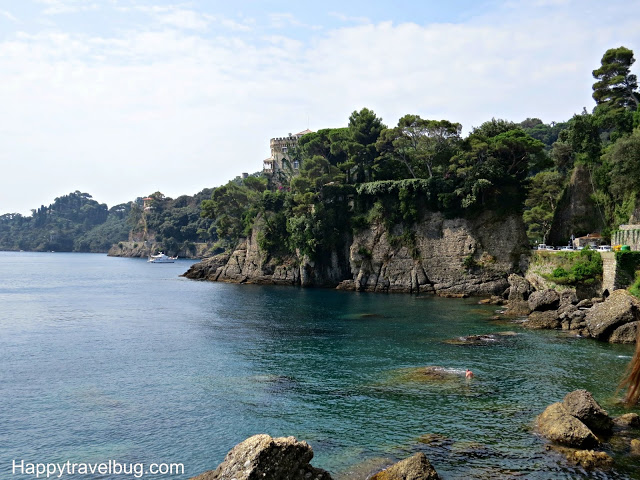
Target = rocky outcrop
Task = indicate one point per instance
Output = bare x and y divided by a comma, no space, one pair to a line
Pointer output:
543,300
440,255
542,320
263,457
627,333
619,309
207,269
518,295
582,405
558,425
416,467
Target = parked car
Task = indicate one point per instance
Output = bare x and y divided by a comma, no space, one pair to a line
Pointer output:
567,248
604,248
549,247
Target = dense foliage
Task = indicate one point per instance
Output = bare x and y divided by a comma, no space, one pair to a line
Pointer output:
583,267
368,172
76,222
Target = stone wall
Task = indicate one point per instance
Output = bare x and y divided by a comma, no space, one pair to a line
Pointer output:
627,235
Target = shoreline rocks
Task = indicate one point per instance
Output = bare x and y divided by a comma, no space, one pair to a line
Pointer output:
579,424
262,456
614,319
285,458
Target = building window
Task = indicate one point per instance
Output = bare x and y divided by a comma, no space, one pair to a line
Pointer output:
284,149
296,164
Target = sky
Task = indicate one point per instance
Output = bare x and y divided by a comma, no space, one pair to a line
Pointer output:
123,98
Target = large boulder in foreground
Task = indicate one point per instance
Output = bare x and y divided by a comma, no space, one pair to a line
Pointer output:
416,467
558,425
582,405
543,300
618,309
267,458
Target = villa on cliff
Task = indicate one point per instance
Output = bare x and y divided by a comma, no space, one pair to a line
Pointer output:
282,162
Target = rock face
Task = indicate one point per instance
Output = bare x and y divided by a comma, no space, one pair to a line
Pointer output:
619,309
446,256
416,467
263,457
559,426
581,405
575,212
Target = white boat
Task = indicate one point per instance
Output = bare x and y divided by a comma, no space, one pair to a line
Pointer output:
161,258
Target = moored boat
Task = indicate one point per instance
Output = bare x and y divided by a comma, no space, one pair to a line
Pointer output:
161,258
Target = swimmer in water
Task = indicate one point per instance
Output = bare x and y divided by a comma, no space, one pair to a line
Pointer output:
469,374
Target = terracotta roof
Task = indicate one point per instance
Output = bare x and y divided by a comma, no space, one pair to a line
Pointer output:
304,132
592,235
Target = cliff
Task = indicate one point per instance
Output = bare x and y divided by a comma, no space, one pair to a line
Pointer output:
143,249
436,254
576,214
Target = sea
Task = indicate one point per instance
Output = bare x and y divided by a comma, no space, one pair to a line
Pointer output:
117,359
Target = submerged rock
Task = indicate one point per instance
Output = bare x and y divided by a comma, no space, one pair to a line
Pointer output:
416,467
479,340
628,420
262,456
428,374
581,404
635,447
587,459
558,425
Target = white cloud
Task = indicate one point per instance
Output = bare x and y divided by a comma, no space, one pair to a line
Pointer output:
57,7
177,110
9,16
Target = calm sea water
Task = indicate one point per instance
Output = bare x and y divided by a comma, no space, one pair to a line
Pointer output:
111,358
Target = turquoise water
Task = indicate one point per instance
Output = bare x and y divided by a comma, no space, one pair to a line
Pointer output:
110,358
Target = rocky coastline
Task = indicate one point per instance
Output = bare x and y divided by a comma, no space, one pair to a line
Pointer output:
451,257
611,318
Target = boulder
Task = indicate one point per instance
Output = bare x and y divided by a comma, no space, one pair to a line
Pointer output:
586,303
581,404
542,320
416,467
618,309
627,333
628,420
267,458
518,308
544,300
558,425
519,288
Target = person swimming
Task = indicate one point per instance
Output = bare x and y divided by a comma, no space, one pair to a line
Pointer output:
469,374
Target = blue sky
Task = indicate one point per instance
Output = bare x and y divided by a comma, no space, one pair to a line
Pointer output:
121,98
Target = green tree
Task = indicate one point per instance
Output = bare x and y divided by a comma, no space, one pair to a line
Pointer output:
419,143
615,85
364,130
